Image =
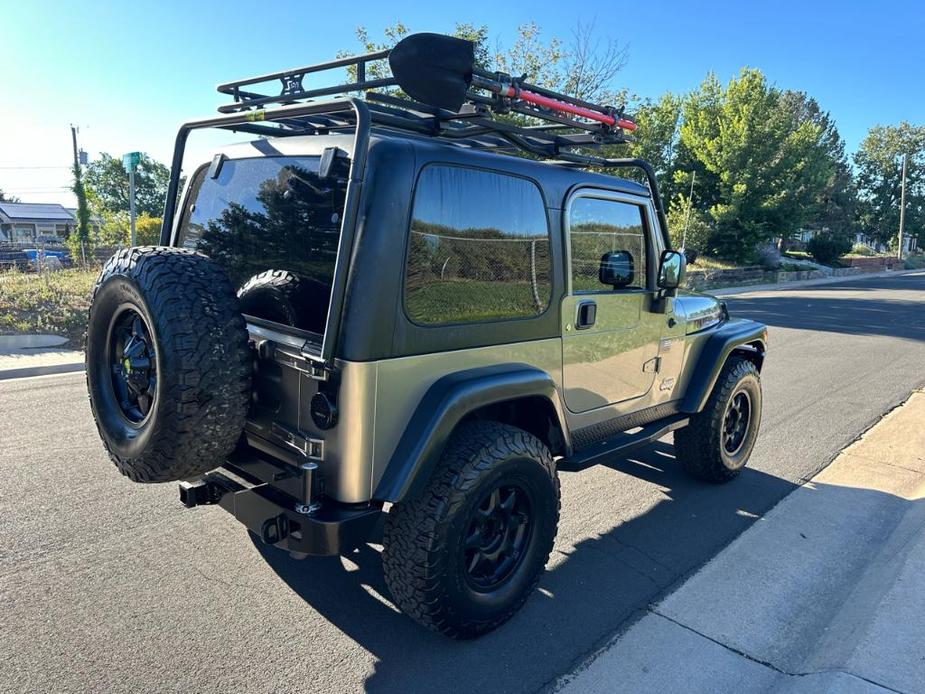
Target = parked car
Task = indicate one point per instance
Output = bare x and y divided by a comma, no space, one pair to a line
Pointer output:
376,305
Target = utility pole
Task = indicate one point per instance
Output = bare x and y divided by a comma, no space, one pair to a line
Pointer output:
902,206
131,202
83,214
687,216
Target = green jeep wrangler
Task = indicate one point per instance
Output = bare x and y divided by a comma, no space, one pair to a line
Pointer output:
413,303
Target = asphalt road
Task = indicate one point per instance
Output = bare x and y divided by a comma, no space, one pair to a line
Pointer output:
110,586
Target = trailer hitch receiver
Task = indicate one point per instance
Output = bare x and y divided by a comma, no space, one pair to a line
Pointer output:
200,493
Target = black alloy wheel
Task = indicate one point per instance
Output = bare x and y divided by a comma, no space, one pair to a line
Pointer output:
497,536
133,361
736,421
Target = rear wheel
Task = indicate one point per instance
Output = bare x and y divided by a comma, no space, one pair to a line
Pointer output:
718,442
464,557
168,364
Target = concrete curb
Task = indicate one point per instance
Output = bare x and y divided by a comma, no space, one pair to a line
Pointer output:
825,593
27,362
20,343
45,370
729,291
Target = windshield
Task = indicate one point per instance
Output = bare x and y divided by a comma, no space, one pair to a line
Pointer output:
273,223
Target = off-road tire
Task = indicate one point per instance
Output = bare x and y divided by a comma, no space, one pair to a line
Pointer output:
424,553
202,363
284,297
699,446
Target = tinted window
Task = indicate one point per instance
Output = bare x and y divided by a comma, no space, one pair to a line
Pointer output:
479,248
274,224
597,227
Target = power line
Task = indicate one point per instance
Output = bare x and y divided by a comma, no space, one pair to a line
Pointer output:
20,168
35,190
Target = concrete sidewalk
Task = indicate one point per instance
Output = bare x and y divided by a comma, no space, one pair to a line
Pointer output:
824,594
36,355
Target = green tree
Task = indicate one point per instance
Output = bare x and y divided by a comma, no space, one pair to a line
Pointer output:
759,166
834,207
114,228
4,197
879,175
109,183
80,243
148,230
583,65
657,139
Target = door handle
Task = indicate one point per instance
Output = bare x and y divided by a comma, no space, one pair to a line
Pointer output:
587,314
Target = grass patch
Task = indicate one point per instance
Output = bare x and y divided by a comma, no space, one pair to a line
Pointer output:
792,267
705,262
51,302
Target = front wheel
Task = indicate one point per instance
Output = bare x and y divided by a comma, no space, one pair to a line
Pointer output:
466,555
718,442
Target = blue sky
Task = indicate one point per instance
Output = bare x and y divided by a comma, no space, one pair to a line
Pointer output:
128,73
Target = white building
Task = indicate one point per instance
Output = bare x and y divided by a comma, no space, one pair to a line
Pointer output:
26,222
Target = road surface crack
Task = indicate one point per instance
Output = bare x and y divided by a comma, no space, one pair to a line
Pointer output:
770,665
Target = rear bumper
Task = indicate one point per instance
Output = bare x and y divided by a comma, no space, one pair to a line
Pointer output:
322,528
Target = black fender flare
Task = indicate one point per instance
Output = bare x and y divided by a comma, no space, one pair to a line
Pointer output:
443,407
738,334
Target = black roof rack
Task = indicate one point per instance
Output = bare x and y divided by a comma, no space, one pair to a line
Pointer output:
564,124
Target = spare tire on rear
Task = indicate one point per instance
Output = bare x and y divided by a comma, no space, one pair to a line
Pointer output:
168,364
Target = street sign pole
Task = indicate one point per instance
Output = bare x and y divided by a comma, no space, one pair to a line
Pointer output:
131,201
902,207
130,162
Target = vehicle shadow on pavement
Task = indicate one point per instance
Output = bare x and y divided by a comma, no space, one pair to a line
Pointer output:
603,570
825,310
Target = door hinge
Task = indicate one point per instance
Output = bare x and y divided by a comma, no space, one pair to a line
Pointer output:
652,366
312,449
310,368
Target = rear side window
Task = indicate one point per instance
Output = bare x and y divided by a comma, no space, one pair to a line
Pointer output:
274,224
479,248
598,227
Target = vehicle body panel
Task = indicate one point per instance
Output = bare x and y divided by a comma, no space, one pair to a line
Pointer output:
385,364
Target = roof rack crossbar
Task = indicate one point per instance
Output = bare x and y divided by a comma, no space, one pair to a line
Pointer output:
229,87
460,97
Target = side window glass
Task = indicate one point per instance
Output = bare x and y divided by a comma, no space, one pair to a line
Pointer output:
603,232
479,248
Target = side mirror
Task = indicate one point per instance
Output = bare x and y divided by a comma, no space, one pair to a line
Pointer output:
617,269
671,270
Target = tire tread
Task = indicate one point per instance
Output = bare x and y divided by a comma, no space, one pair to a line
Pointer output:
203,360
415,559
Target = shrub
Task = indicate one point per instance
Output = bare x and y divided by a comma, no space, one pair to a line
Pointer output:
698,226
768,257
861,249
827,248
